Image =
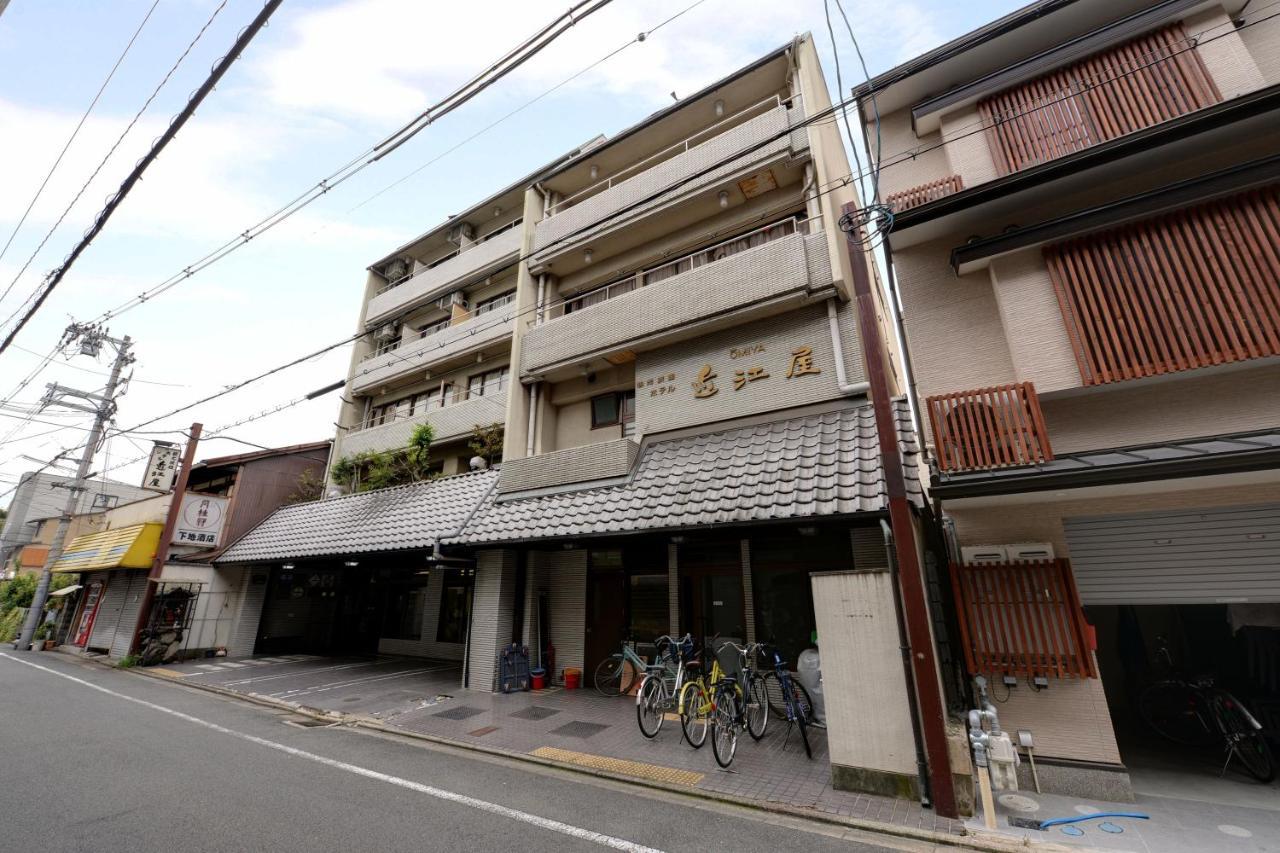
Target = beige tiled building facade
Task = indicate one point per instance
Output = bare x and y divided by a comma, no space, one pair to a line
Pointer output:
1086,248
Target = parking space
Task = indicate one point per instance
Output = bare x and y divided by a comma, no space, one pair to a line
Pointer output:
578,727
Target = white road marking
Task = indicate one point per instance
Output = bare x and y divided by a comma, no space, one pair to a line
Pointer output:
234,665
430,791
334,685
296,672
209,666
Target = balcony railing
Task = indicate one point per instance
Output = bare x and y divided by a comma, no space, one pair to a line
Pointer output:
771,277
417,355
924,193
689,165
989,428
1142,82
452,421
1022,619
427,285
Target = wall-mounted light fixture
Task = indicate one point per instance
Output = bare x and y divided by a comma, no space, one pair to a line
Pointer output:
595,171
724,198
286,566
351,564
587,256
719,109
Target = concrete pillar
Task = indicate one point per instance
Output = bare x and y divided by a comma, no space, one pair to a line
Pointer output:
491,616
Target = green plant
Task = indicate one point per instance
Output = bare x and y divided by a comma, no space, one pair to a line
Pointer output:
10,624
44,631
486,442
379,470
128,662
308,487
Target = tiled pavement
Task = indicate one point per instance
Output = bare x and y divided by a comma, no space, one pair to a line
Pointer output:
579,727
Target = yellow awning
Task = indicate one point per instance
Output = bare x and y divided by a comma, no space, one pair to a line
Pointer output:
124,548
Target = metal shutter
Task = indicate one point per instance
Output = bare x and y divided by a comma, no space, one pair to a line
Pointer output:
1194,556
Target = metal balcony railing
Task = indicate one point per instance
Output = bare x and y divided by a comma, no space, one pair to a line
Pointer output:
988,428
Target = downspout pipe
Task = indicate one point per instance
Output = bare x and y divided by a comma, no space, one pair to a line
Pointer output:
913,705
847,388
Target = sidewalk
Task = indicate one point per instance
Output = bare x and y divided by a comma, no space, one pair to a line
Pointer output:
578,728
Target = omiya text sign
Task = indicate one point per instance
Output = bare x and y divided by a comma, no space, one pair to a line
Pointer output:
200,520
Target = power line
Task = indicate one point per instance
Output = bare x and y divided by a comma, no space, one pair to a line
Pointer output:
71,139
107,156
54,278
492,74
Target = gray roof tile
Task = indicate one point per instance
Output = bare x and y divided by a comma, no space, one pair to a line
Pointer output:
396,519
816,465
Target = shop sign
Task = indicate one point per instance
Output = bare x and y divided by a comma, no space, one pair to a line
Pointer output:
200,520
162,467
705,385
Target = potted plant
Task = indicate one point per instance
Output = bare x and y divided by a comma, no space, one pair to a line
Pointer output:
44,637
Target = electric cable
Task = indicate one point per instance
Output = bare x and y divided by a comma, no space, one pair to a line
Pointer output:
72,138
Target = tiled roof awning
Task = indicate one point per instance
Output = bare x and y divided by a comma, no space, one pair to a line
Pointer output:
819,465
131,547
398,519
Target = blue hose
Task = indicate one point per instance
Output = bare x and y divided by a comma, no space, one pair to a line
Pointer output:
1059,821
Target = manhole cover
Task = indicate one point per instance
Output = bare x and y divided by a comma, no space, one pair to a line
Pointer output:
461,712
1019,803
578,728
535,712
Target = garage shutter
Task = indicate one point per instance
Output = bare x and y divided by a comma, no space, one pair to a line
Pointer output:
1194,556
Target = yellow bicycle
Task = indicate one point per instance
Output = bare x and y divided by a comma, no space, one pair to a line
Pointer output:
695,705
697,698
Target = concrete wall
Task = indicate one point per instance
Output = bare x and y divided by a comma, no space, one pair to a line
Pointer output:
1262,39
563,576
491,616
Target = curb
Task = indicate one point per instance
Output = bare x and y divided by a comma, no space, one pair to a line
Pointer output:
971,840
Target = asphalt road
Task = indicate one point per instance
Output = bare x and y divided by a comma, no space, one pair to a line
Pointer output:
103,761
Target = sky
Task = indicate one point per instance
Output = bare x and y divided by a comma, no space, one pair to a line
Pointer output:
320,84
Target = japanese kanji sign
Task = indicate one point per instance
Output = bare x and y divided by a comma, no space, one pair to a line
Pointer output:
162,467
200,520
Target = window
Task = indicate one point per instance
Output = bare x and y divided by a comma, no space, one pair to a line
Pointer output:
455,606
432,328
487,384
402,608
615,408
494,303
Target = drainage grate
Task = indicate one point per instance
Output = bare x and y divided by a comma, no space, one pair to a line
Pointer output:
535,712
308,722
483,731
579,728
461,712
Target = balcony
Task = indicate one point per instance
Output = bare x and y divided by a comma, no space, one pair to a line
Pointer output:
422,354
742,142
425,286
767,279
988,428
453,421
605,460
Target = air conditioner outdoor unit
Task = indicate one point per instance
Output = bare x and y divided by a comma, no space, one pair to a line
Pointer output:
460,231
1029,551
979,554
395,270
457,298
386,333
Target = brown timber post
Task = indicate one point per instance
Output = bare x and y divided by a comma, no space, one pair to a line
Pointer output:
915,607
170,522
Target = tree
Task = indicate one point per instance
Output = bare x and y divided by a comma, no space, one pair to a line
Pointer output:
380,470
486,442
308,487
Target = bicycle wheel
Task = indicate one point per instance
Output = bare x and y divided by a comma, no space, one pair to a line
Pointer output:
610,674
757,708
651,705
773,689
724,728
1172,710
1247,742
804,714
694,714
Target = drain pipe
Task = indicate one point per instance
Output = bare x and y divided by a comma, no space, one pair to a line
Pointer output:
846,387
913,705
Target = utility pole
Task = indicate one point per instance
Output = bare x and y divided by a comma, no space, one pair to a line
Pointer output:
166,536
103,406
932,708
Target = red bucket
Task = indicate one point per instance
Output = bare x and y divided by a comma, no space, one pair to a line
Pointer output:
572,678
538,679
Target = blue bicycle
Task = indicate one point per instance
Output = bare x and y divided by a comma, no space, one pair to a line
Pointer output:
788,699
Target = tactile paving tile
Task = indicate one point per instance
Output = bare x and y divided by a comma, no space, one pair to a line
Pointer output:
535,712
638,769
579,728
461,712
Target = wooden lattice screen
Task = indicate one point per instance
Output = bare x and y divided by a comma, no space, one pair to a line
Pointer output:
1189,289
1142,82
925,193
988,428
1022,619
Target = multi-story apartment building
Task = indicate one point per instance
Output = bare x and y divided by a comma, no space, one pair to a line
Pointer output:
1087,248
688,435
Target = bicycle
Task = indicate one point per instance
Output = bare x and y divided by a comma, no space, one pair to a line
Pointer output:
739,703
1196,712
792,702
617,673
660,686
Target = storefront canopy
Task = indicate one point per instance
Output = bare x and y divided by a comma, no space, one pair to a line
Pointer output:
820,465
397,519
131,547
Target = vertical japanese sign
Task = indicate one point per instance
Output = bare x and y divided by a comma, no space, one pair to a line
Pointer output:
162,467
200,520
